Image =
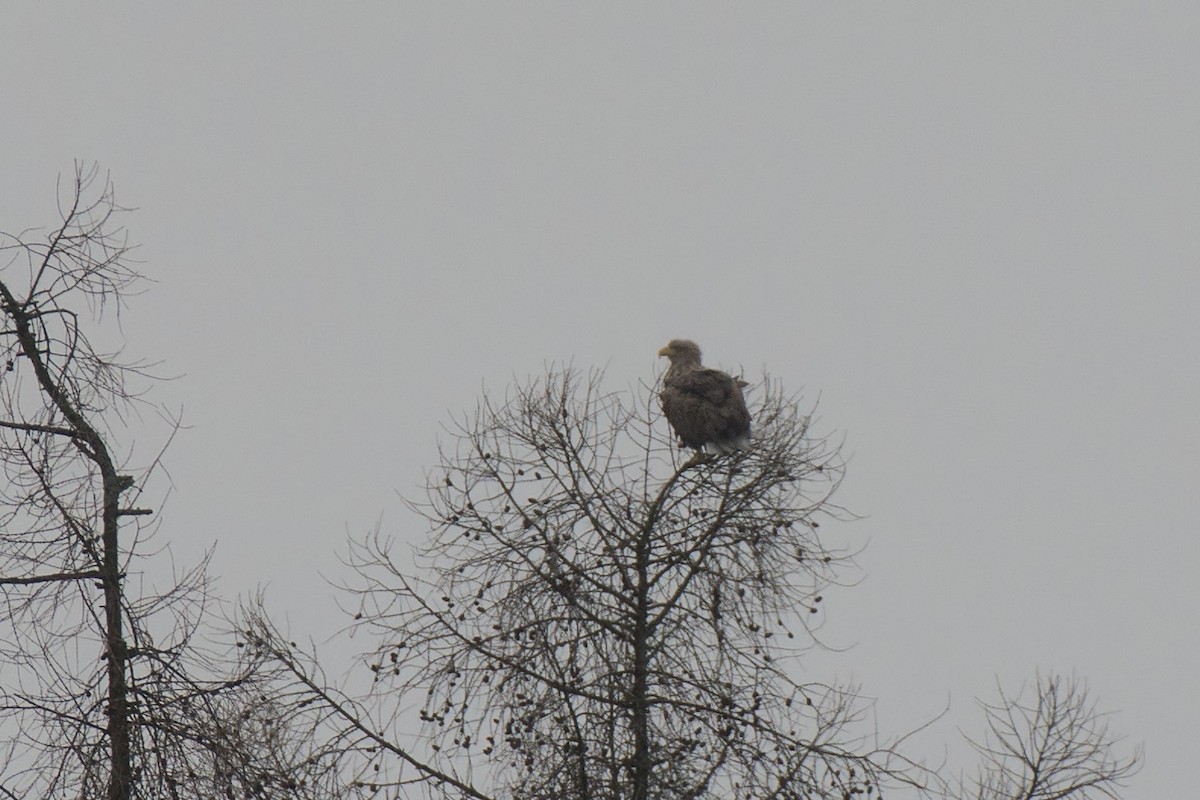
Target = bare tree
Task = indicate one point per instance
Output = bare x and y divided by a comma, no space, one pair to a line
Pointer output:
597,616
1056,746
109,691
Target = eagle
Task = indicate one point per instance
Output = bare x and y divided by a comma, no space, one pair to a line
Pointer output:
704,406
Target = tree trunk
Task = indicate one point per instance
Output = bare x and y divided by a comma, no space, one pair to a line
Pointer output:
639,692
120,779
92,445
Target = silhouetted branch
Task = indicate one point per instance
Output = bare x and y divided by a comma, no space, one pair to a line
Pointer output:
53,577
1055,746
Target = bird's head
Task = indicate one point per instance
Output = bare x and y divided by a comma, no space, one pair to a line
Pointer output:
682,352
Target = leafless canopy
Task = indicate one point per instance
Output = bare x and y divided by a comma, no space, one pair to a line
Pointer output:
598,617
1056,746
109,690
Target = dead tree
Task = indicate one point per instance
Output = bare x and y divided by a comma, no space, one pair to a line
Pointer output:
597,616
65,485
107,692
1055,746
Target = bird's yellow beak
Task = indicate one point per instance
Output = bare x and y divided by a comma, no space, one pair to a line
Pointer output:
666,351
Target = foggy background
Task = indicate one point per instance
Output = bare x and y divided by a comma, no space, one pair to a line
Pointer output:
970,231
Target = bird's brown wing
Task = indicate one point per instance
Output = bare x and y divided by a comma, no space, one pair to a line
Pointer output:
705,405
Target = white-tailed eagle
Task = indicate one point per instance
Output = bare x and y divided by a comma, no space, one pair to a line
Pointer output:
704,406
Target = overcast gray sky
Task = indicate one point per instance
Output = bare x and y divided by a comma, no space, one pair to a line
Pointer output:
970,229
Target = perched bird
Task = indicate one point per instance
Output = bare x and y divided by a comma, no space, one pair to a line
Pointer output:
704,406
